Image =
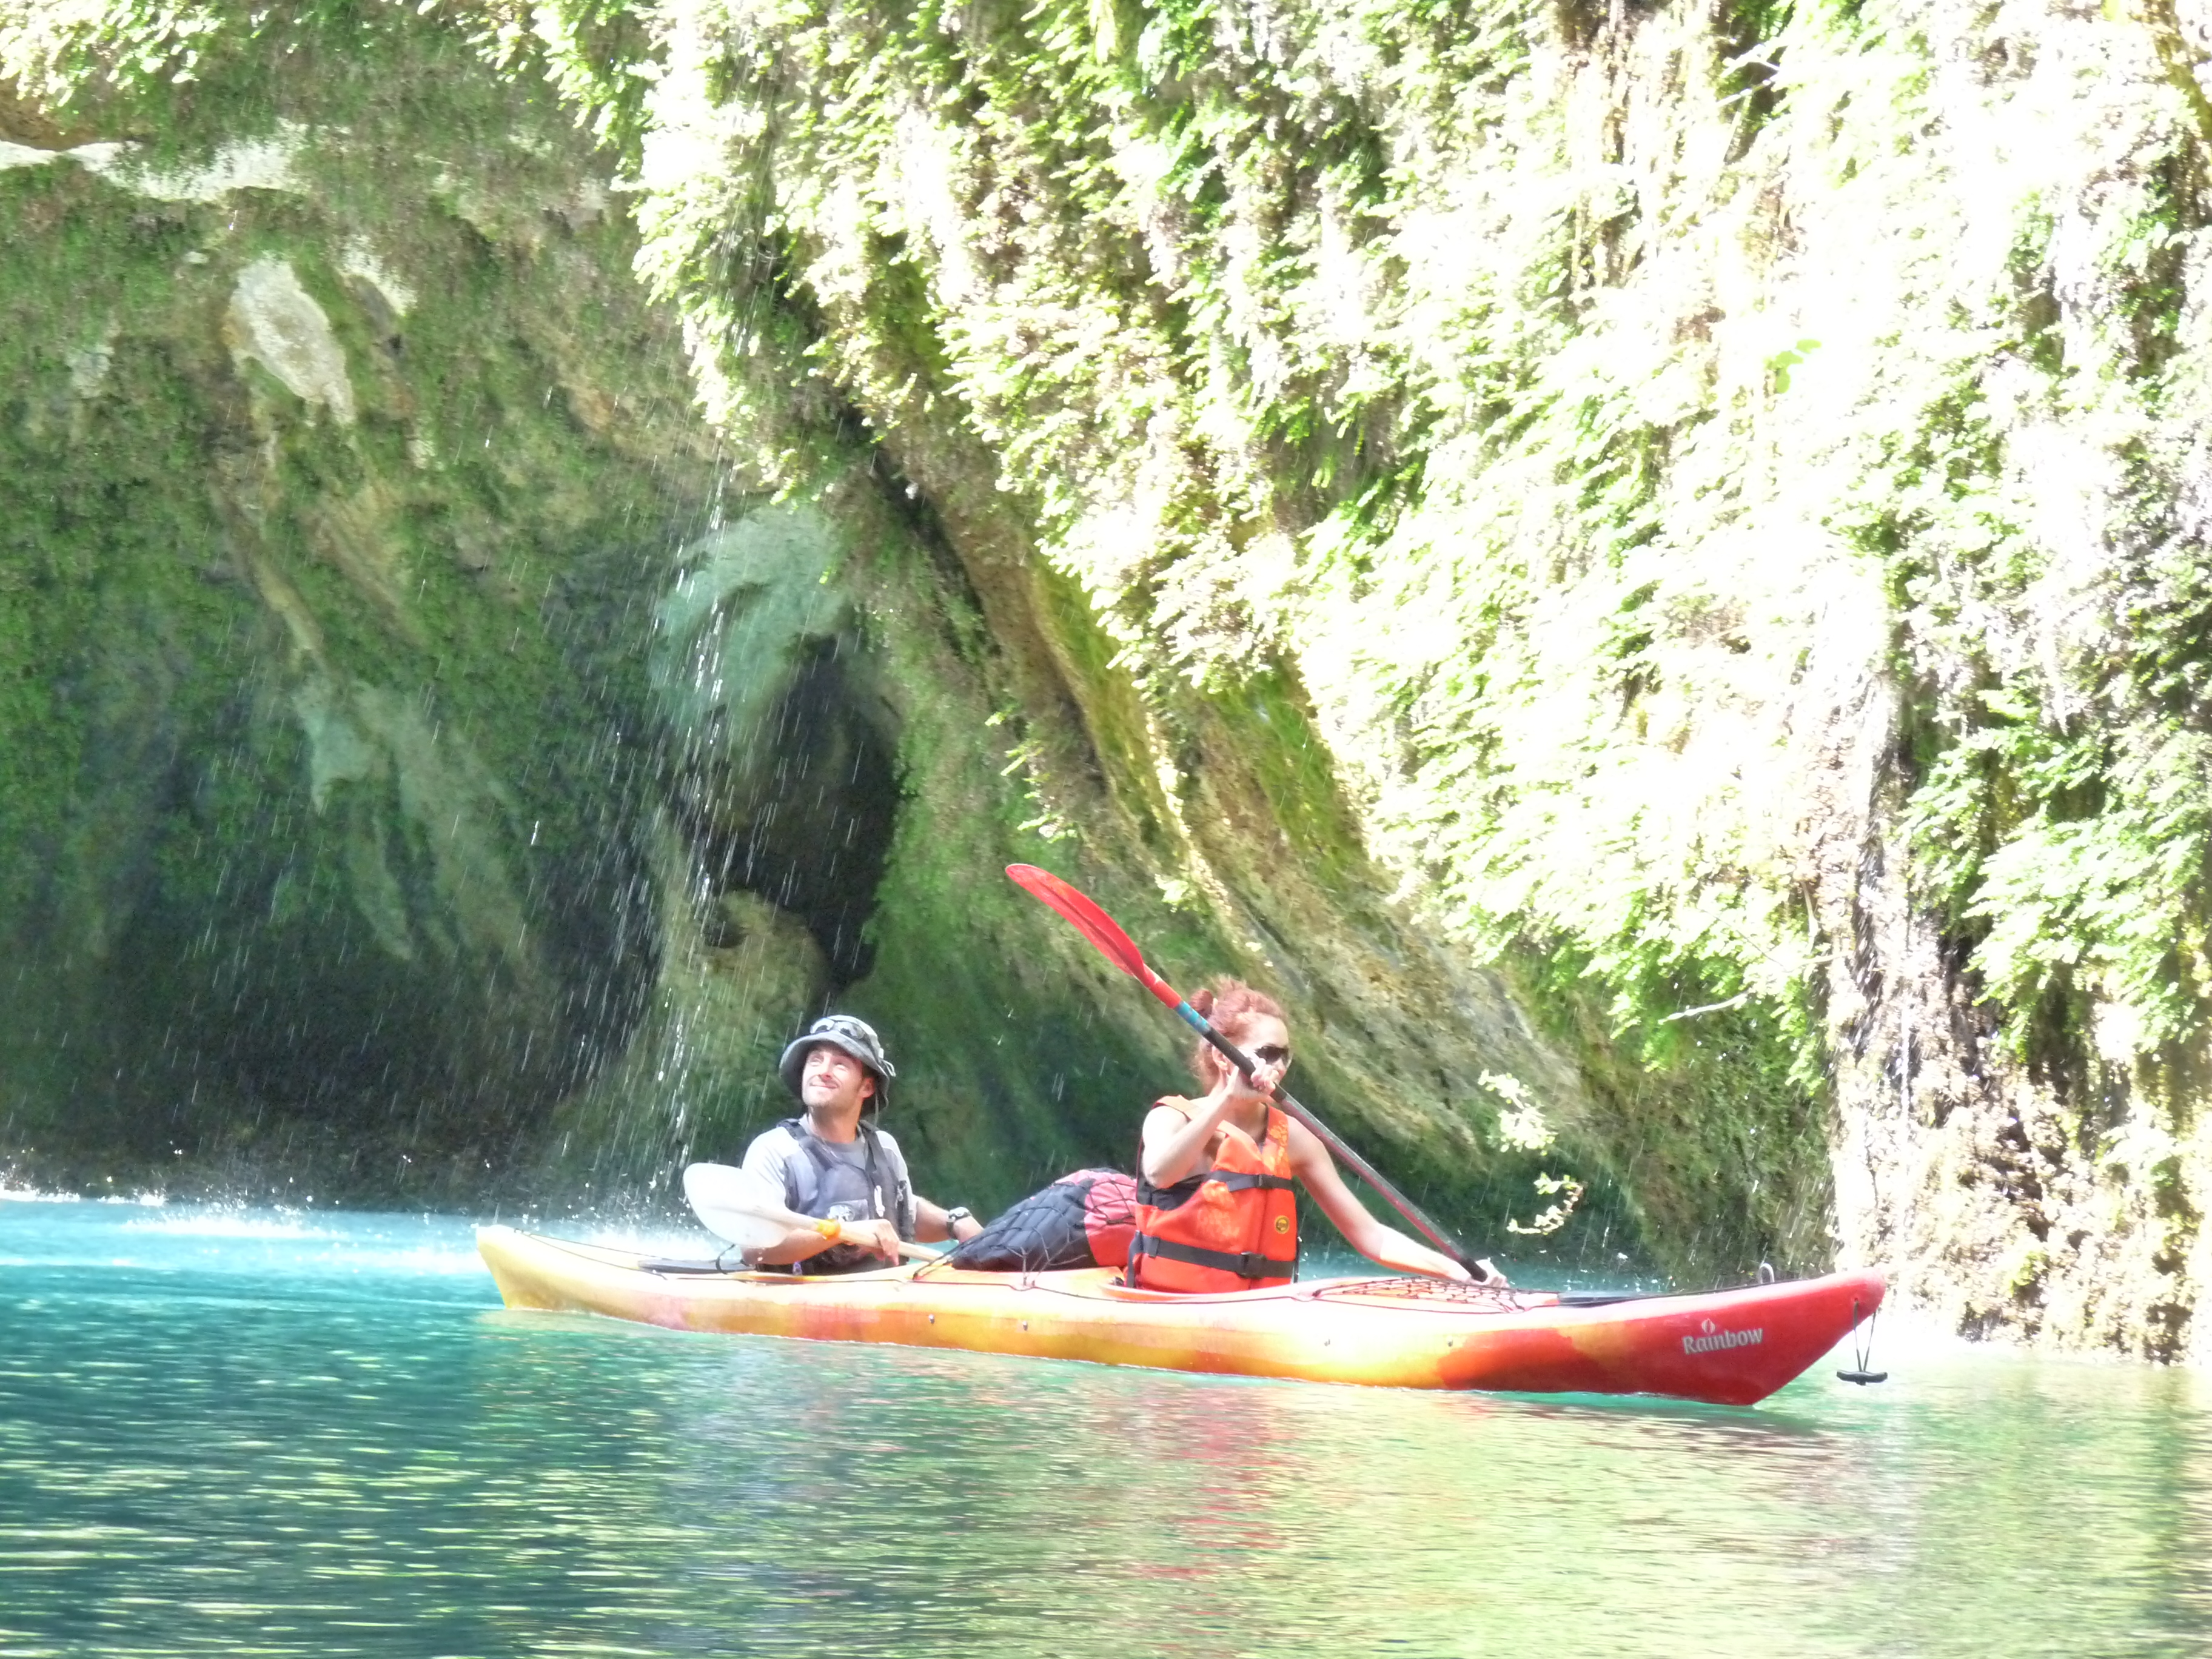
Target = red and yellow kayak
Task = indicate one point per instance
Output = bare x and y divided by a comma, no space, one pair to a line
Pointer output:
1732,1347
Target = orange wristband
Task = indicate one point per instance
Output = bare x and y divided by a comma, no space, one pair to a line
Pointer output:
832,1229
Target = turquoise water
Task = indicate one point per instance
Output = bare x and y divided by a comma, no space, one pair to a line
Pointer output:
247,1432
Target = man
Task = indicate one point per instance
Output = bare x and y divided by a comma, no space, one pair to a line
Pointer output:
835,1165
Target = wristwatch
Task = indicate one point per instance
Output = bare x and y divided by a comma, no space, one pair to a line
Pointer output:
954,1216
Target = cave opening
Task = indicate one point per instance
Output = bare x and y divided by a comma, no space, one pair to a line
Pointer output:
809,828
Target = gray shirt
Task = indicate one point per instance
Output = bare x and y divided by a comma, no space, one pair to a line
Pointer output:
777,1158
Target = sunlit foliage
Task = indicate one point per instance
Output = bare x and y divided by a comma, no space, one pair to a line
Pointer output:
1630,430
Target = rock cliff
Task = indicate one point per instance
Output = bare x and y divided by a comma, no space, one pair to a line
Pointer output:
443,765
1644,567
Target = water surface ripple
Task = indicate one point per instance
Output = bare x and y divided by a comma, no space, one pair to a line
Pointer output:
268,1434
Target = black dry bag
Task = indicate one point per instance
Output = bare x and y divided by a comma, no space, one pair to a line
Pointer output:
1082,1220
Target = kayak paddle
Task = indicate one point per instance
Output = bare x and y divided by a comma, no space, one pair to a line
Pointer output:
734,1206
1116,946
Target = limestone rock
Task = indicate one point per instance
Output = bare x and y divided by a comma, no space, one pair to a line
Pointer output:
276,323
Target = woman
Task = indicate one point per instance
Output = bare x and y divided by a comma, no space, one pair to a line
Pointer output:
1216,1204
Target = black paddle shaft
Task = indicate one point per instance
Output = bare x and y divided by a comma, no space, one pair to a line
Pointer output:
1360,1166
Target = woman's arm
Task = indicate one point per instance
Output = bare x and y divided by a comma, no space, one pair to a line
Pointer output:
1175,1141
1310,1162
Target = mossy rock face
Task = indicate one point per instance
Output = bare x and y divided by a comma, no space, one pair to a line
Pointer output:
784,739
413,796
321,825
462,715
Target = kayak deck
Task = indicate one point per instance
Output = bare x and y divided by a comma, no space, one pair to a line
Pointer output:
1731,1347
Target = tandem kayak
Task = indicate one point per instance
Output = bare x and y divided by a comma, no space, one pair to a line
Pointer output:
1730,1347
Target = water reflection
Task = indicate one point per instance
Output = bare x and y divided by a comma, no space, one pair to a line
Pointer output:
245,1440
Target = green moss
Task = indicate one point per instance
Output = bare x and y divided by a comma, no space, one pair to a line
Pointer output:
1270,725
213,945
1713,1133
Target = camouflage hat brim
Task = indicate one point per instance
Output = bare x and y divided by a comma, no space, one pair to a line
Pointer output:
795,1062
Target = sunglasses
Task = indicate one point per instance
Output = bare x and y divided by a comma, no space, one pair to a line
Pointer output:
1273,1055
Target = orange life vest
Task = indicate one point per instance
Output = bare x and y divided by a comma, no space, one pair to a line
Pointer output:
1233,1227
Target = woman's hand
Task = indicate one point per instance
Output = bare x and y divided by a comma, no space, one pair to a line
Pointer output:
1231,1085
1400,1251
1214,1104
1266,1076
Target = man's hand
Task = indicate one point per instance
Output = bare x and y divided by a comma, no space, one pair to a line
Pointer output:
877,1238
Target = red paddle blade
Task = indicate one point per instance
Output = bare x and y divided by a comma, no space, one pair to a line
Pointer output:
1093,923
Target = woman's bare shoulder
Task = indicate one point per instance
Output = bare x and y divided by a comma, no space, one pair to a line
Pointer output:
1168,1114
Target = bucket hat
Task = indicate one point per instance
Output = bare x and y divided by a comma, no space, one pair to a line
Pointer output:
854,1036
